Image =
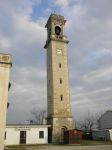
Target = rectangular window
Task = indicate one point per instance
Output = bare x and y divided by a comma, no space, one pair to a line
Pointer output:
61,97
41,134
59,65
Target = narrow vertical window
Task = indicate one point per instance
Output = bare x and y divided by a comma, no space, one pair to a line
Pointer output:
60,80
59,65
5,136
61,97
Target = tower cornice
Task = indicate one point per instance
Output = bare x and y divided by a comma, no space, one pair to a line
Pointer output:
5,59
54,39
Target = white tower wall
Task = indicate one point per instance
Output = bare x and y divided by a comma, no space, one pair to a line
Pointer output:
5,64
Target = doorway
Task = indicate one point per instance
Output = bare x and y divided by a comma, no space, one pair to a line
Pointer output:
49,135
63,129
22,137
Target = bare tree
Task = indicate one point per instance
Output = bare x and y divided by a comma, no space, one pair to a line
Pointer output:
38,116
88,123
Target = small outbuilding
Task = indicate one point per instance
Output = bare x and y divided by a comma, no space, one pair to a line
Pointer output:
26,134
73,136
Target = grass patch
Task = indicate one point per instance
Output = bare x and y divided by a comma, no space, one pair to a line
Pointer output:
92,142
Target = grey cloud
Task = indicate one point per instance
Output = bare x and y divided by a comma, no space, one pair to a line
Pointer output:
100,9
28,91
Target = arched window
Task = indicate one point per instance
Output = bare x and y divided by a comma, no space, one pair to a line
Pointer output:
57,30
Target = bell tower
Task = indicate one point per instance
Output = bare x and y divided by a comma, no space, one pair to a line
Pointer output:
58,97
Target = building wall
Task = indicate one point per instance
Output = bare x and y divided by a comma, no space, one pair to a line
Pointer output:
110,134
5,64
32,134
105,121
102,135
12,136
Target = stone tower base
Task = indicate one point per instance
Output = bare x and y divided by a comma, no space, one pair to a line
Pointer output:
59,125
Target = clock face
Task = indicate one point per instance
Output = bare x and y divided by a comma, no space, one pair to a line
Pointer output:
59,51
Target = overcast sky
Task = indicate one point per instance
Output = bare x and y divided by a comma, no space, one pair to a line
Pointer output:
23,35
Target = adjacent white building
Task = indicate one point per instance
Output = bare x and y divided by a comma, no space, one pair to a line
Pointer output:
105,121
102,134
26,134
104,131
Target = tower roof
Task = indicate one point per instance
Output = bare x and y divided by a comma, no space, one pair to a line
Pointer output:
55,17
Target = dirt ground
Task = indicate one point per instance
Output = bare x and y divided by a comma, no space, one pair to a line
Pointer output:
59,147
